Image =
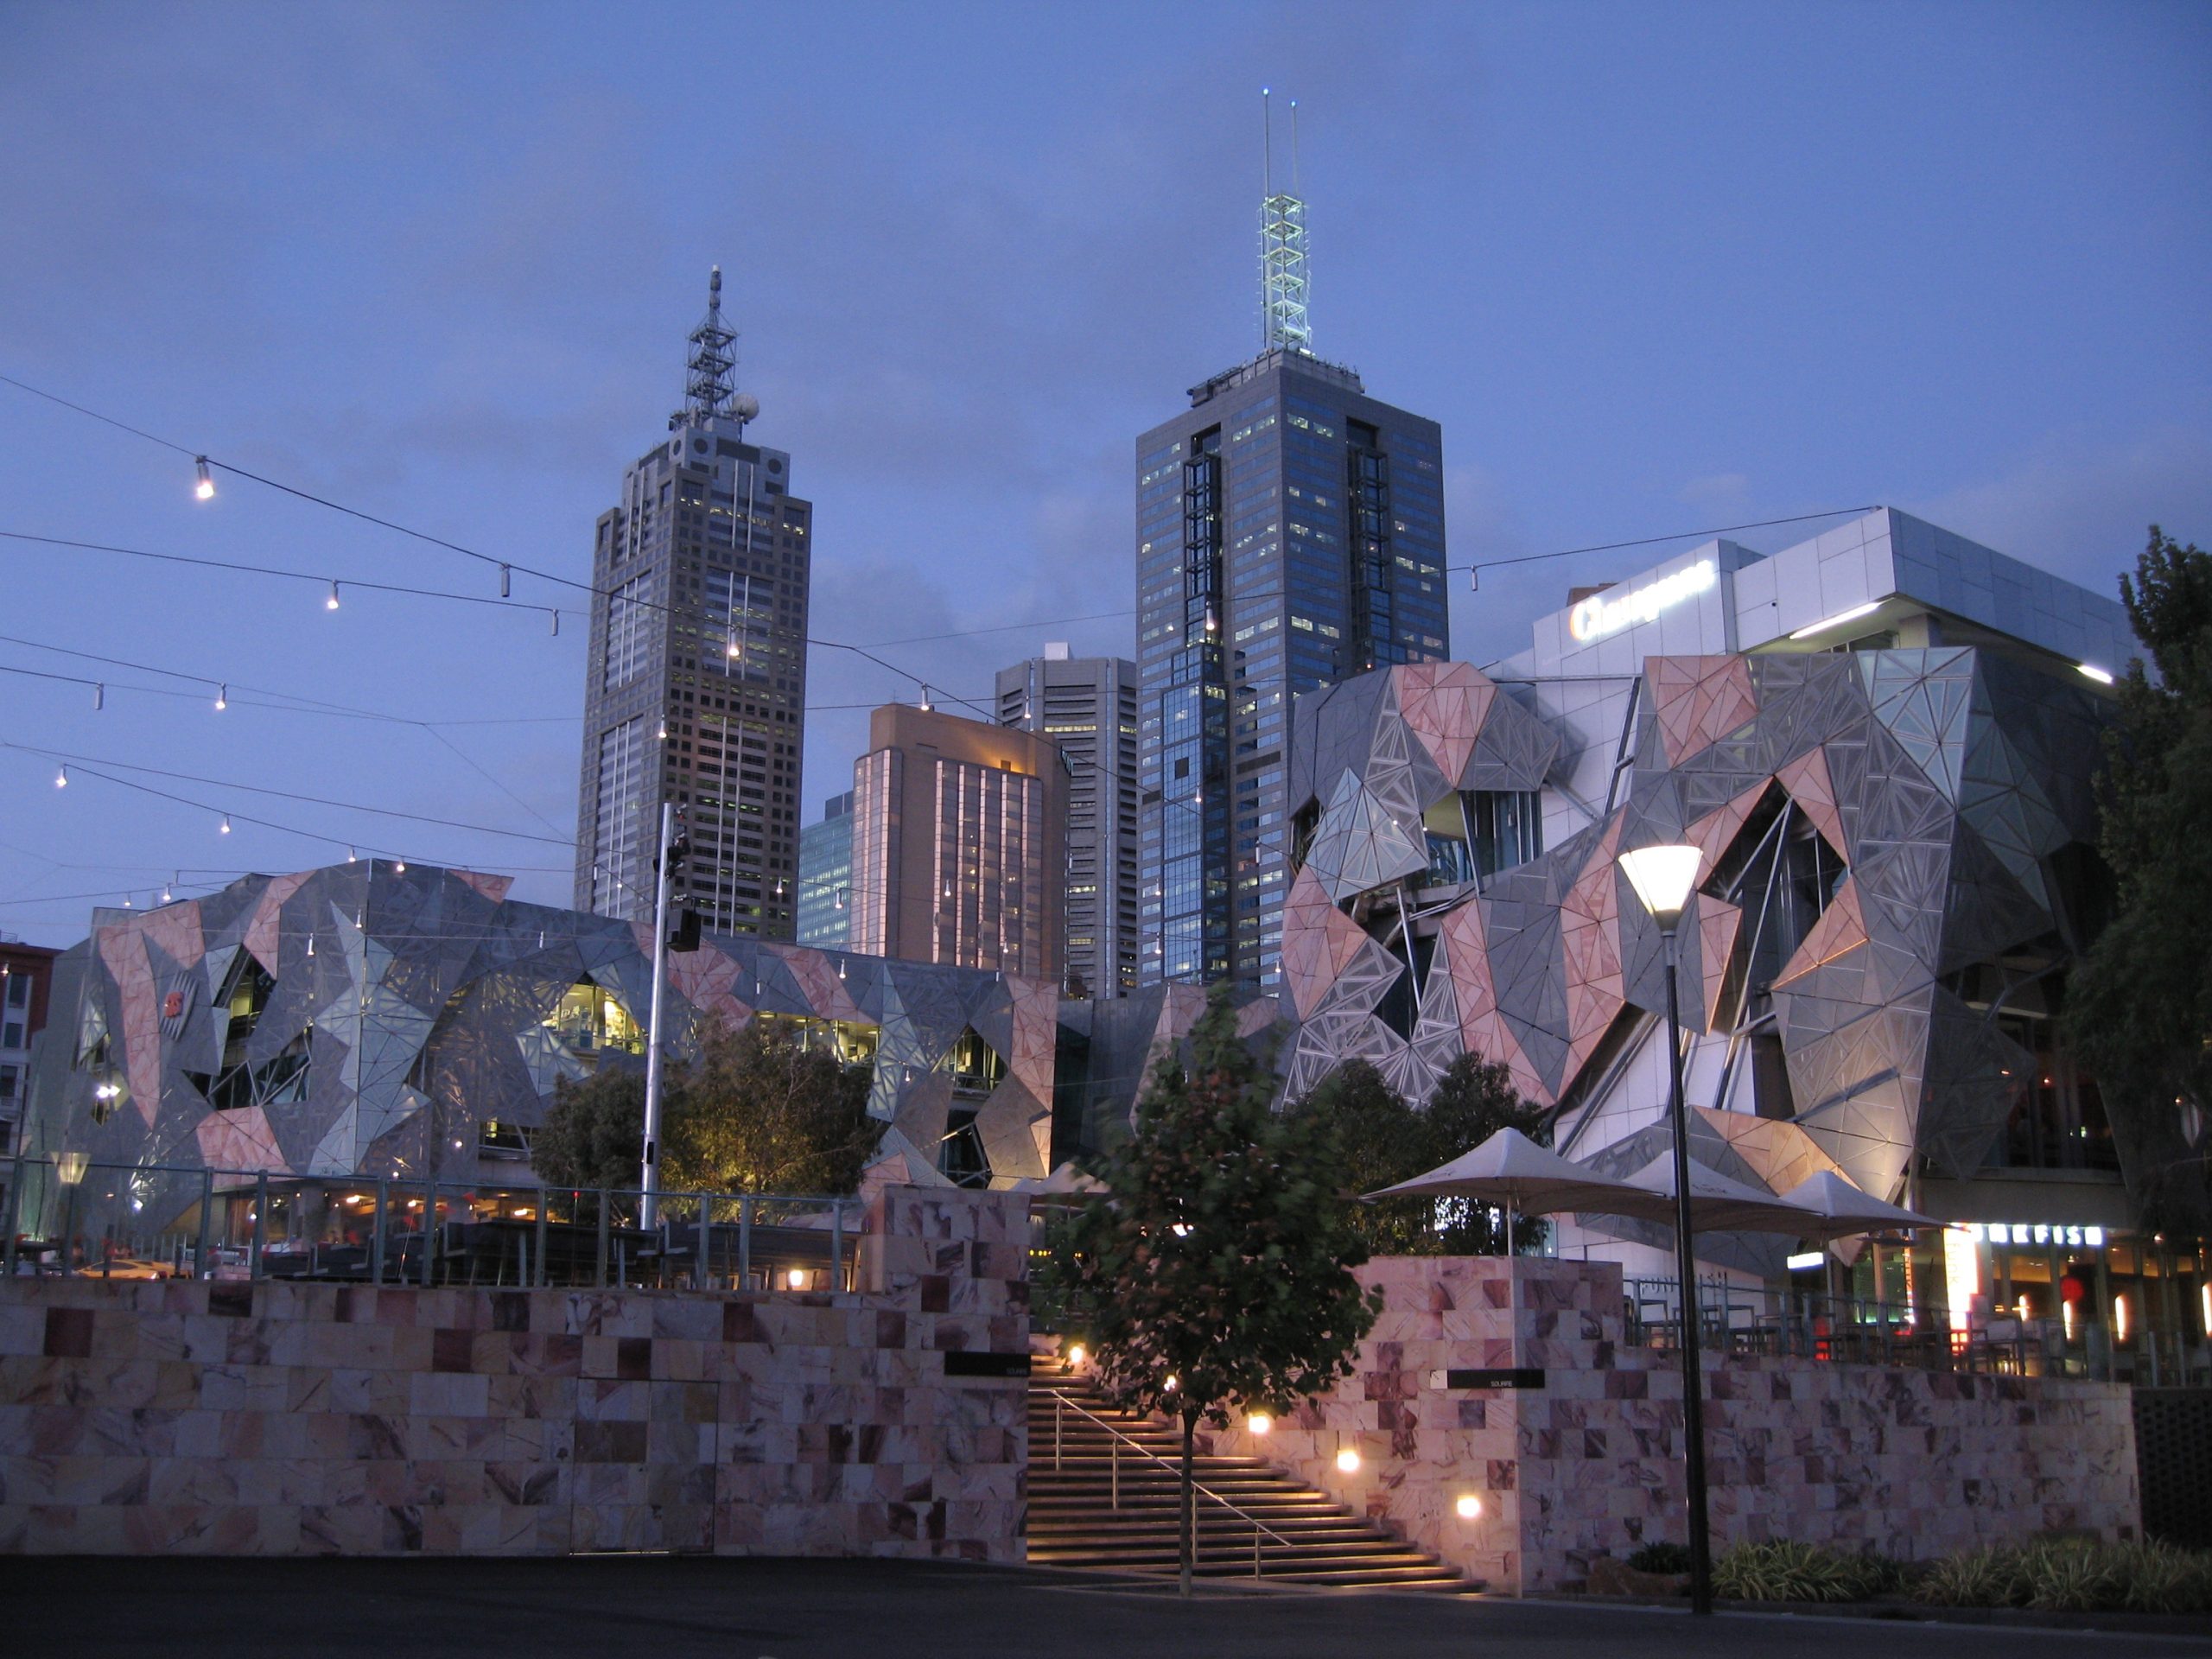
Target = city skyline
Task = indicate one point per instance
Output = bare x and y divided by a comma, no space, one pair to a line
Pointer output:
1652,322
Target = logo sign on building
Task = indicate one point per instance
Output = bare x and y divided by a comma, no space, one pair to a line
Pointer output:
1609,613
2000,1232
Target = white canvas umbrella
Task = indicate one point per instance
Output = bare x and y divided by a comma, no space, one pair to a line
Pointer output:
1718,1205
1838,1210
1514,1173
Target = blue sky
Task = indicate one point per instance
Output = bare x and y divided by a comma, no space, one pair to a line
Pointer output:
1653,269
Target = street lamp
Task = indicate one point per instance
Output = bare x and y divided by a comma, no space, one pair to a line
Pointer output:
70,1168
1662,878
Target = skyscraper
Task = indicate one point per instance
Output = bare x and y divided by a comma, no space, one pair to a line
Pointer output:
825,875
959,843
1289,533
1087,706
695,686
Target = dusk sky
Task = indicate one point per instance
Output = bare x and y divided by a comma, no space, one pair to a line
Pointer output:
1653,269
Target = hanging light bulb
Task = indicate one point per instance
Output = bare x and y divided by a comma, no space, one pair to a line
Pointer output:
352,857
100,696
127,904
61,779
167,893
331,604
226,823
926,699
663,733
399,865
555,618
503,574
222,695
310,944
204,481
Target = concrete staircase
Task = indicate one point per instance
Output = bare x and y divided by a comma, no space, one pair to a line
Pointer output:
1074,1520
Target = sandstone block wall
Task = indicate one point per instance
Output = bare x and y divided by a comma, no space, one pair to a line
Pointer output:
285,1418
1914,1463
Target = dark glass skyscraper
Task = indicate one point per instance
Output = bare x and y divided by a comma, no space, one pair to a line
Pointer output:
1290,532
694,684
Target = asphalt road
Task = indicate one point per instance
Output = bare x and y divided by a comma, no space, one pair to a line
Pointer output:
599,1608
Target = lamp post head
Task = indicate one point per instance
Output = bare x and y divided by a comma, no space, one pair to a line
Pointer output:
1662,878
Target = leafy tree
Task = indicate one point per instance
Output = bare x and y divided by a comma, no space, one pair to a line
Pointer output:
761,1112
1218,1264
593,1133
1386,1140
2139,1003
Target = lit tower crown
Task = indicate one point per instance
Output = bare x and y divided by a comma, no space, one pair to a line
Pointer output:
1282,245
711,385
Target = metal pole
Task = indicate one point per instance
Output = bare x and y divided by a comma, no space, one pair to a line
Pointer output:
544,1277
429,1231
649,1177
15,1207
837,1245
699,1273
203,1263
604,1224
1060,1411
379,1229
745,1243
1686,1283
260,1220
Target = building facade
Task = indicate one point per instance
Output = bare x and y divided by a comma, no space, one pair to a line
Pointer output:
695,687
825,875
374,1020
1883,740
26,989
1289,533
959,844
1088,707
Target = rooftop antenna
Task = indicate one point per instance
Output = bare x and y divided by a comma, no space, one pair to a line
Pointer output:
711,383
1283,244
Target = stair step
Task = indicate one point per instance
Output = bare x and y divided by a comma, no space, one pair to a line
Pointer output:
1074,1522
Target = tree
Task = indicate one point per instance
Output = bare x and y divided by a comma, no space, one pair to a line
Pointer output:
762,1112
1386,1140
593,1133
1218,1264
2139,1002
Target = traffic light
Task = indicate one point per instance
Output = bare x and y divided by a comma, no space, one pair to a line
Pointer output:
683,933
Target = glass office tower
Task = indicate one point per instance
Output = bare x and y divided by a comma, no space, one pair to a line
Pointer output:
1290,532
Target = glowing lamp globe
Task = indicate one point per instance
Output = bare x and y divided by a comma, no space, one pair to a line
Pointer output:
1662,878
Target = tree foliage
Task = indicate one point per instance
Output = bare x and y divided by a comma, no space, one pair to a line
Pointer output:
2140,1000
1216,1266
756,1112
594,1133
1386,1140
761,1112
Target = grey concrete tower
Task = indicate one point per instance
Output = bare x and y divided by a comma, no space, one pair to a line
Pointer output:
1087,706
1289,533
695,686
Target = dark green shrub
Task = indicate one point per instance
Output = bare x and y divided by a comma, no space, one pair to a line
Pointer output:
1660,1556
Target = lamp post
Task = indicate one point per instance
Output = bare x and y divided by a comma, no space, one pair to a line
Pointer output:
1662,878
69,1168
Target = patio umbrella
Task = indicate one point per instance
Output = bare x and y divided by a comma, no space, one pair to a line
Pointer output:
1718,1205
1516,1175
1838,1209
1065,1181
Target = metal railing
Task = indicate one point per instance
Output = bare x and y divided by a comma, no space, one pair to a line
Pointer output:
167,1221
1116,1439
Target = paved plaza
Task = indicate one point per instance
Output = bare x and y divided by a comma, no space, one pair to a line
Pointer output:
766,1609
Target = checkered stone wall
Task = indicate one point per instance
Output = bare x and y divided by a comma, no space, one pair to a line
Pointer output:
288,1418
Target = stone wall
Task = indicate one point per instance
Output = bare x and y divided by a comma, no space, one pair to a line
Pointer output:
285,1418
1914,1463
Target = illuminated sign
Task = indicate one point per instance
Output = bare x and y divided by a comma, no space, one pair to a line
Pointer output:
1805,1260
2015,1232
1604,613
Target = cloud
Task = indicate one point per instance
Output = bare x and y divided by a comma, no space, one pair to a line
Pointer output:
1714,488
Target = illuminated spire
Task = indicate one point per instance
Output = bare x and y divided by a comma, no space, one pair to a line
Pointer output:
710,385
1284,325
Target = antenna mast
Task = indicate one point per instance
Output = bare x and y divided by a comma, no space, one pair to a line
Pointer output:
1284,325
711,385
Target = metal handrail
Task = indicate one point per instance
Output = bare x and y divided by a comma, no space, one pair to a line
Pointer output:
1061,1403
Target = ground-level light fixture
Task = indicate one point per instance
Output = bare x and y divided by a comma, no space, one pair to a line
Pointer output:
1348,1461
1469,1508
1259,1422
1075,1355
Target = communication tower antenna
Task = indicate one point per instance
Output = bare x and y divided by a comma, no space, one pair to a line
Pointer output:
1285,325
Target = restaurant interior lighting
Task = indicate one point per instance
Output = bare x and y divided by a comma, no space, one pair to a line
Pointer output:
795,1278
1838,619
